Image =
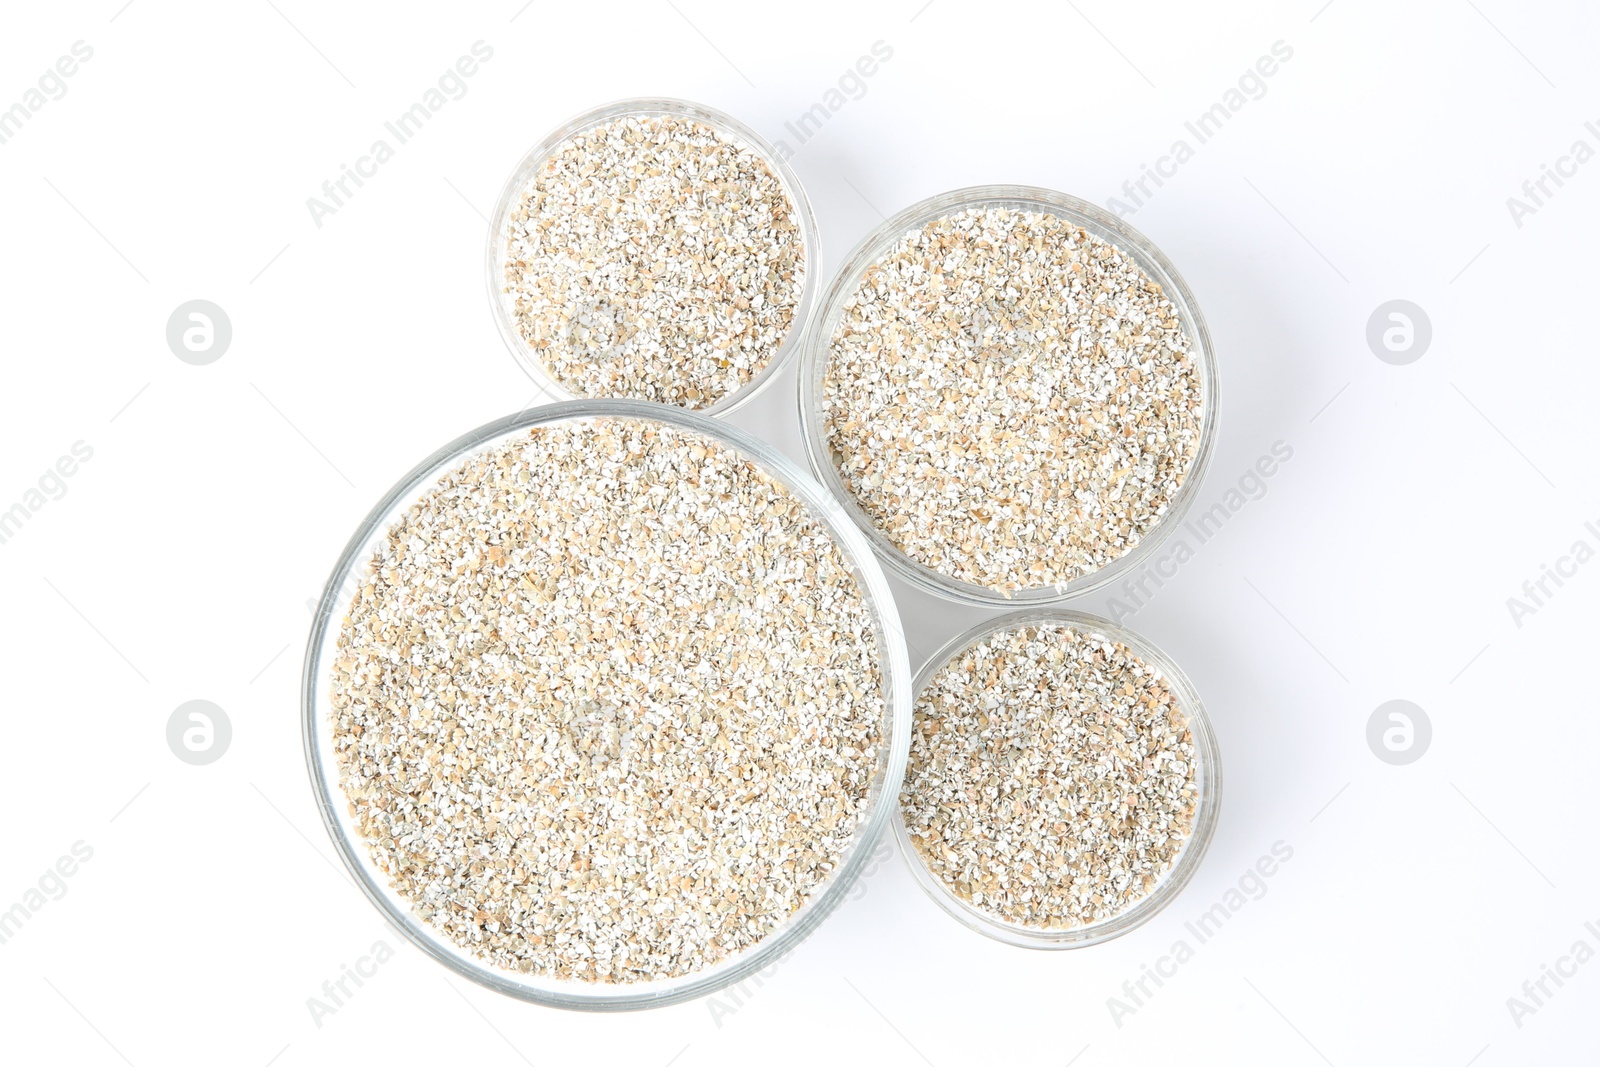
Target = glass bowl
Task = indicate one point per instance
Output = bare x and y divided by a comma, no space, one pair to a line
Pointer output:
322,763
1098,222
1208,801
511,194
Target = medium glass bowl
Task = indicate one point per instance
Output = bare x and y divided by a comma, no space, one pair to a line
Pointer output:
1208,787
1100,223
511,195
322,762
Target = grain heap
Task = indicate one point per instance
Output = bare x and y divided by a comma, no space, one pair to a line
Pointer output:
1052,777
654,258
1010,399
608,704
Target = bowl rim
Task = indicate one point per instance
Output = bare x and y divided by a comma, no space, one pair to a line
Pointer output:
1208,772
653,106
1097,221
322,764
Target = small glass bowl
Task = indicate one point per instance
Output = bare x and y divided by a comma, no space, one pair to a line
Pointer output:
657,107
1208,786
1100,223
322,762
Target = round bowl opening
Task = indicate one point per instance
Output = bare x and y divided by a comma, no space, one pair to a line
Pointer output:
323,764
510,197
1208,792
1098,223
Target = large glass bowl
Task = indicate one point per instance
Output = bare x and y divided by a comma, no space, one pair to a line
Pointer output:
323,764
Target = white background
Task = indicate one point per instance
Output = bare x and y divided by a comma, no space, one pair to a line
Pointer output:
179,563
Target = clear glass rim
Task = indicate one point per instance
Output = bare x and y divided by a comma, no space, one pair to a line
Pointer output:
1208,773
322,765
1097,221
510,195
